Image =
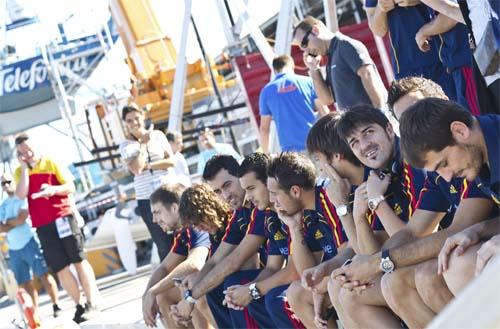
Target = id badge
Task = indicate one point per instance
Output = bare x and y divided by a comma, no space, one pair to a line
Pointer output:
63,227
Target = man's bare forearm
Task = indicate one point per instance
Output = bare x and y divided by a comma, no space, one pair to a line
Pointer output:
22,187
377,21
300,252
283,276
322,89
180,271
367,242
216,275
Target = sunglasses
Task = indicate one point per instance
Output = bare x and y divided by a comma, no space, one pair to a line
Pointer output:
305,40
5,182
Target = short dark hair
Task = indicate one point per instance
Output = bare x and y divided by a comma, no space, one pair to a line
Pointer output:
219,162
291,168
257,163
167,195
172,136
358,116
324,138
200,204
307,24
404,86
280,62
425,127
130,108
21,138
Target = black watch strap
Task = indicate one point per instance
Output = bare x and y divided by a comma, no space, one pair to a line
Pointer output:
385,253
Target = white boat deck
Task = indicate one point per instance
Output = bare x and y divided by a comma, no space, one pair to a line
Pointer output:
120,307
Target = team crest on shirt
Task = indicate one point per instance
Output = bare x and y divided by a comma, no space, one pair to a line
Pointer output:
318,235
453,190
397,209
279,236
242,224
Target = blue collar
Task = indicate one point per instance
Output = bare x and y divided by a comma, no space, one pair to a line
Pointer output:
490,126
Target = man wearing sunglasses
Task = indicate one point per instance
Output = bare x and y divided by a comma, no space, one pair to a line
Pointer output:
24,249
351,76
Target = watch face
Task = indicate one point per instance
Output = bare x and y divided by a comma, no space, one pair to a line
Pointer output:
387,266
371,205
342,210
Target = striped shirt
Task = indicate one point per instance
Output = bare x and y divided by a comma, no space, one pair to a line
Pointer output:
154,150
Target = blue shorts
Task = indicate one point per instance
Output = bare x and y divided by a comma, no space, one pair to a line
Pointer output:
27,259
279,310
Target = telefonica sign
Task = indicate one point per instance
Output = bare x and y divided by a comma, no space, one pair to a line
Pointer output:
27,75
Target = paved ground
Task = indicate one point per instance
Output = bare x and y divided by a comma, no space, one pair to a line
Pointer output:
121,305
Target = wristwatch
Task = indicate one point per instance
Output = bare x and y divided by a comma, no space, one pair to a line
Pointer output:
189,298
373,203
386,264
254,291
343,210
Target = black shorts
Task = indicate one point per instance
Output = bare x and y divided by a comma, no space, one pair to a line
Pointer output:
58,252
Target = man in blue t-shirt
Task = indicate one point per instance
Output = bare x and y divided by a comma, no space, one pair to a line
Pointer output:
290,100
188,253
211,148
24,249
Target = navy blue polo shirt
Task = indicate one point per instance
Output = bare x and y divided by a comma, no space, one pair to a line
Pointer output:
441,196
189,238
237,225
403,191
215,240
404,23
488,180
278,235
455,50
322,227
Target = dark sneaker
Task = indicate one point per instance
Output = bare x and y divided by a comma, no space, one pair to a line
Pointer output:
90,311
56,311
80,311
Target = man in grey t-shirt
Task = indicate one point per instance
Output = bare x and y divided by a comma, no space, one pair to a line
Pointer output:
352,78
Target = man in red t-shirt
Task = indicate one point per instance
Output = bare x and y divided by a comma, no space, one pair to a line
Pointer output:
47,186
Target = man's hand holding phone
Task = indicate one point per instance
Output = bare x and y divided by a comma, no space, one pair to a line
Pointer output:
46,191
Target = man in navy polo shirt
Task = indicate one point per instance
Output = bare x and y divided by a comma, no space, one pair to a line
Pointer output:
315,228
272,282
238,251
188,254
394,194
402,19
290,100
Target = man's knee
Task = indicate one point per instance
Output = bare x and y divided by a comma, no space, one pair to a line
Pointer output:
394,285
427,281
333,291
295,294
461,269
170,297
